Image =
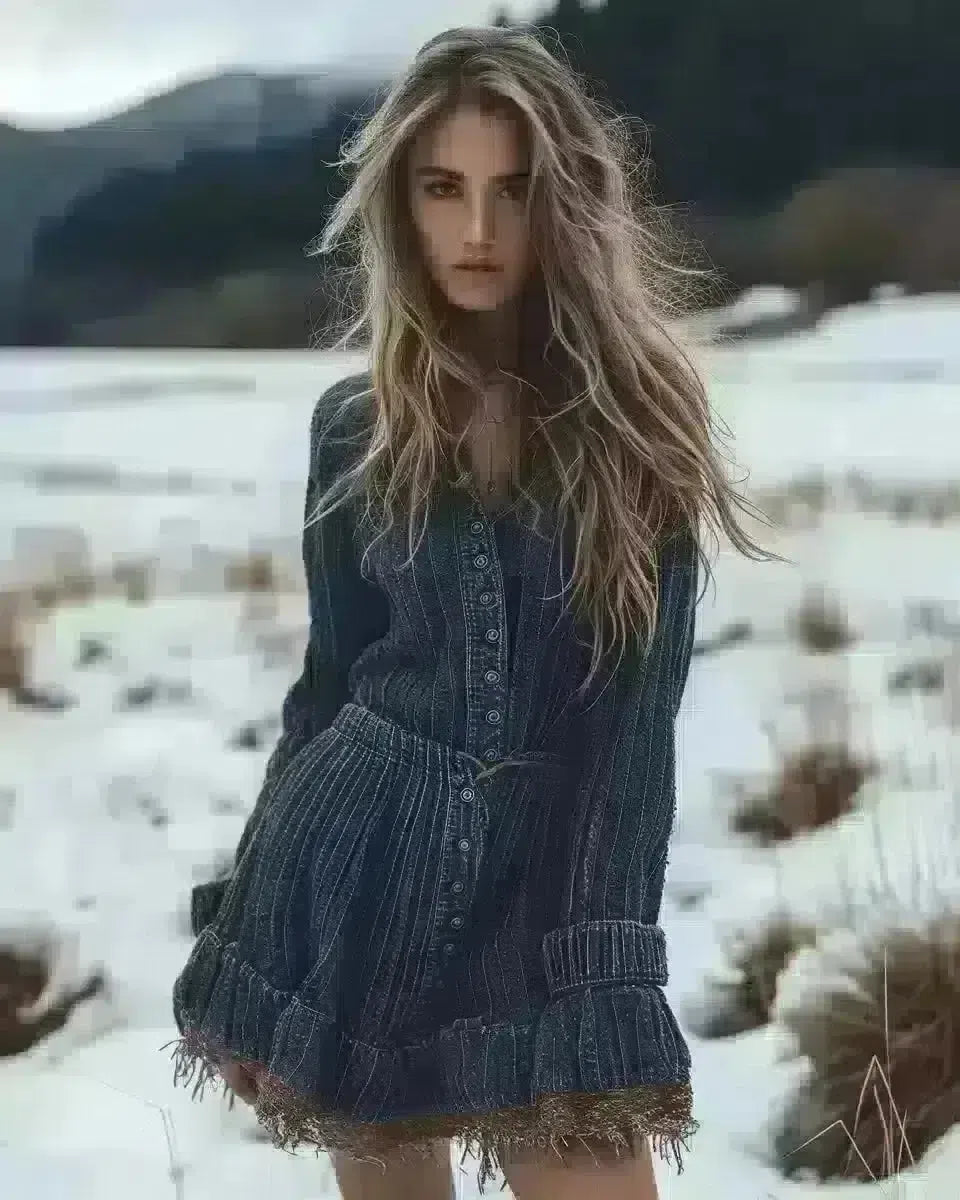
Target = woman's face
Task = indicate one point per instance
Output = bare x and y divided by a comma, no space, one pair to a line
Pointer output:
468,186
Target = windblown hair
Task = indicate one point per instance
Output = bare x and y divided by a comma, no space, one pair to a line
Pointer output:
617,413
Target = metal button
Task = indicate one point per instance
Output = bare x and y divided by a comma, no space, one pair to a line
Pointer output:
491,676
493,717
456,887
493,635
449,948
467,794
476,527
492,753
486,597
456,922
464,843
481,560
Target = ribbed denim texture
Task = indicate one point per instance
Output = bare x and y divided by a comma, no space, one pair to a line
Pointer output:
447,896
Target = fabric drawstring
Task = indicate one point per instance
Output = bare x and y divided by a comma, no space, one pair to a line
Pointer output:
530,761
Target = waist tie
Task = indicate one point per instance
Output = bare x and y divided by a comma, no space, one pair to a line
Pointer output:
531,759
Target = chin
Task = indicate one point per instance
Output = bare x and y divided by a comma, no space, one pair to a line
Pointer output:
478,303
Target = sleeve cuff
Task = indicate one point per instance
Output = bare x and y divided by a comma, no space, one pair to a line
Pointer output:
599,952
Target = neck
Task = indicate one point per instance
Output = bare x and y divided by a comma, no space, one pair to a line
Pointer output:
492,338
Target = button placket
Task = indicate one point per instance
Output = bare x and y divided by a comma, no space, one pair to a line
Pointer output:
452,918
490,600
467,794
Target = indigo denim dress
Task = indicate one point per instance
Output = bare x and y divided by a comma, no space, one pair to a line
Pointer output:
442,920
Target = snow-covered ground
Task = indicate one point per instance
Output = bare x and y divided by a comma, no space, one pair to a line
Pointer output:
111,809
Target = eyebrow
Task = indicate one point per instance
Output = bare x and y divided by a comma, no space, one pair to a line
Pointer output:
451,174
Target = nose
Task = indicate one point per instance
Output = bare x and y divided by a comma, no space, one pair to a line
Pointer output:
481,225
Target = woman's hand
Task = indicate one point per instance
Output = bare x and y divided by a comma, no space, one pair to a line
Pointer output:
242,1079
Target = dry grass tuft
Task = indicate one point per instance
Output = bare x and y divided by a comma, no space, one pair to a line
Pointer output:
252,572
743,1001
734,634
13,651
927,676
136,579
881,1035
820,625
24,976
814,787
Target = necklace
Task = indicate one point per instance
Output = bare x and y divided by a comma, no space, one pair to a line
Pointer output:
494,382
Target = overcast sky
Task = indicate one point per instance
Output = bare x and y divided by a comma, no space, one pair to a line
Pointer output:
66,61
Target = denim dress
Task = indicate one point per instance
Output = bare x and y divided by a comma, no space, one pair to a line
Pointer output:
442,919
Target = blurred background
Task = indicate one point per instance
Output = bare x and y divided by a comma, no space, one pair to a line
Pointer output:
162,171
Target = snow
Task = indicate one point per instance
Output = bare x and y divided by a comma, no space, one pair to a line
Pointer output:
105,821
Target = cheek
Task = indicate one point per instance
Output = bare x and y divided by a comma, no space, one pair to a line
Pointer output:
518,248
438,238
421,224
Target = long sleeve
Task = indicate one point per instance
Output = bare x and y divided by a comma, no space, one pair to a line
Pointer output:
346,614
613,844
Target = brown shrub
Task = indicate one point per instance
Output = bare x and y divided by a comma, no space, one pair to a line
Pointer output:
880,1034
136,579
253,573
743,1002
861,227
815,786
734,634
23,977
820,625
13,651
933,257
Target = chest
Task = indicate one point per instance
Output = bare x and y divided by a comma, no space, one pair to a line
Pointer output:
491,441
488,592
492,459
463,554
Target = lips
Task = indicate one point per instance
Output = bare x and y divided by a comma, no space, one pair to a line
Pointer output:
488,268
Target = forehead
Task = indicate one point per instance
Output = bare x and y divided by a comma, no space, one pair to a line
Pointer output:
471,140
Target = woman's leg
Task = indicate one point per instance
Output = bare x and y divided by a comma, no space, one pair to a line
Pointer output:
542,1175
418,1178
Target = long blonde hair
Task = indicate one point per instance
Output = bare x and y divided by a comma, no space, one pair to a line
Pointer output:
618,409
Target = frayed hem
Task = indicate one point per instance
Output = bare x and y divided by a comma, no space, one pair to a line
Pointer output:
558,1122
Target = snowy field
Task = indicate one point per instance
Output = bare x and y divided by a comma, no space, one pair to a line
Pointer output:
114,805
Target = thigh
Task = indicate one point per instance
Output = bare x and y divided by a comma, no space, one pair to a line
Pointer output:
418,1177
593,1170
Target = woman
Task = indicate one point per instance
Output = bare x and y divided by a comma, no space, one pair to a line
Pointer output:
443,917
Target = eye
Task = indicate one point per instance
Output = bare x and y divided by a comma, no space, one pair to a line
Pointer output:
517,189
